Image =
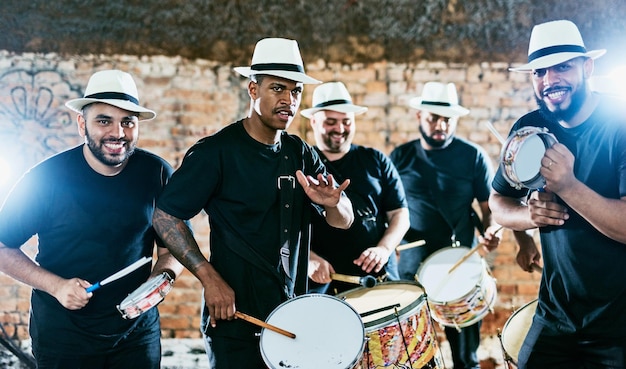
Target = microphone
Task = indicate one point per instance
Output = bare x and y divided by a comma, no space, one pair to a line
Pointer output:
366,281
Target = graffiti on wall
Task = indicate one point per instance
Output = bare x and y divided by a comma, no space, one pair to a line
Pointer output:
34,122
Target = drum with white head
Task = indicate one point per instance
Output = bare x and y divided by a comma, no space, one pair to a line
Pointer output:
329,334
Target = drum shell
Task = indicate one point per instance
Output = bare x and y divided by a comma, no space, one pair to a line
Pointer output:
401,331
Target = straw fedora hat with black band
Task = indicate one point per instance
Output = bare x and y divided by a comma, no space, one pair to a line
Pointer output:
553,43
440,99
332,96
278,57
112,87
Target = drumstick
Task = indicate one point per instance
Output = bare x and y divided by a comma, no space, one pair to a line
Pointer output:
411,245
466,256
260,323
367,281
536,268
132,267
461,260
495,132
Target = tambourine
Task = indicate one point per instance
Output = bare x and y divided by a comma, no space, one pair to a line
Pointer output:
521,156
146,296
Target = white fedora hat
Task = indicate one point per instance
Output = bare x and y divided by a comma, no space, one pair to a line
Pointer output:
553,43
278,57
112,87
439,98
332,96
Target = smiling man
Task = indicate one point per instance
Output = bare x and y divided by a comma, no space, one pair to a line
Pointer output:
580,320
91,208
376,192
244,178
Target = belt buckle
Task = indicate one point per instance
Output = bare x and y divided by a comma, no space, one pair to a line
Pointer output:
289,178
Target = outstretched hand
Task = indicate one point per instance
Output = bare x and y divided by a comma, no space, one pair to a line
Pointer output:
322,190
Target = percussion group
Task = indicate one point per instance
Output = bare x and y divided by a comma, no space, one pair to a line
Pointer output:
388,325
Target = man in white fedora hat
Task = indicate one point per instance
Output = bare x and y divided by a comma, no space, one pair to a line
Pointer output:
258,184
443,175
376,192
579,320
91,208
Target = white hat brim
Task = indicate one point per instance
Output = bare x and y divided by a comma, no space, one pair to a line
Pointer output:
444,111
554,59
293,76
144,114
341,108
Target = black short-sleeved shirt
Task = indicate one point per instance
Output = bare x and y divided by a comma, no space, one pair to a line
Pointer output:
582,287
88,226
463,173
233,178
374,178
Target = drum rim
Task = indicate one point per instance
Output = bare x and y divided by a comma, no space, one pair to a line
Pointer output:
431,256
403,313
134,296
537,181
503,340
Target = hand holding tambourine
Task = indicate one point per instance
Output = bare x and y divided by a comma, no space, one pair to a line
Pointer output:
521,156
146,296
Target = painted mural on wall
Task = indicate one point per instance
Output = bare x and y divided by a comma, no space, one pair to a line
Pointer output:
34,122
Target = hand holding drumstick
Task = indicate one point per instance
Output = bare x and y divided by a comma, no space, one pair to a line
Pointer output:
260,323
472,251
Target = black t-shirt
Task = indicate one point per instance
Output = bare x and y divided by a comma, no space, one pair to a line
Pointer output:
233,178
462,173
88,226
375,180
582,287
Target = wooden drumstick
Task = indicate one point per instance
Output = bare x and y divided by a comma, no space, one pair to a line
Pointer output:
411,245
466,256
461,260
366,281
536,268
260,323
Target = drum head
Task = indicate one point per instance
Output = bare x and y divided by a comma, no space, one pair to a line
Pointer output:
516,328
528,159
409,296
443,286
329,334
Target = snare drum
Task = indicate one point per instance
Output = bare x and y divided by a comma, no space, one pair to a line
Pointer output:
329,334
464,296
146,296
521,156
516,328
398,326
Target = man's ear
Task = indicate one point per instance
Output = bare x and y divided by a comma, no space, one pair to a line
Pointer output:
253,89
80,122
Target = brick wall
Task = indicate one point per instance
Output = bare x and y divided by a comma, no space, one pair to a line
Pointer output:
194,98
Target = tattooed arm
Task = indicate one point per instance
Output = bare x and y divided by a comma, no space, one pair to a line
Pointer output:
174,232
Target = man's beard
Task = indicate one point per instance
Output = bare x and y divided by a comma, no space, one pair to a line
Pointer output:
438,144
98,152
577,100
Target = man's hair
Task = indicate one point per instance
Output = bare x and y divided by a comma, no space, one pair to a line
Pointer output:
257,78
